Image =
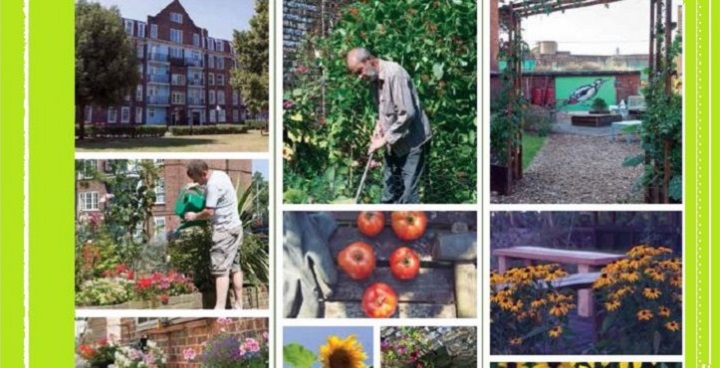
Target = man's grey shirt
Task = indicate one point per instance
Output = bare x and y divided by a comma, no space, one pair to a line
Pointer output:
403,122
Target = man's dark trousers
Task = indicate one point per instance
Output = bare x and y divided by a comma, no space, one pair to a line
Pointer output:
402,175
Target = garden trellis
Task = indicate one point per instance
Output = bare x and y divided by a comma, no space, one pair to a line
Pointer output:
662,129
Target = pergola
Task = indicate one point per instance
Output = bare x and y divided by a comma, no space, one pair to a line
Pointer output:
661,27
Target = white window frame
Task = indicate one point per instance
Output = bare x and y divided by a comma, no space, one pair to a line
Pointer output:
220,63
176,17
211,62
159,230
154,31
178,80
112,115
130,27
85,165
141,30
222,117
211,44
211,79
151,112
196,39
94,201
220,80
176,35
220,45
160,191
220,97
138,115
178,97
211,97
139,92
125,114
140,50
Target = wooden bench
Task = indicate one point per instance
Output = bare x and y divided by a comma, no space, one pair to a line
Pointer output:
586,262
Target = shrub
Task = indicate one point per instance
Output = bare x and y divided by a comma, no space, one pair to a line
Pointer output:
104,291
123,131
183,130
436,43
537,120
529,315
642,300
599,106
256,124
230,350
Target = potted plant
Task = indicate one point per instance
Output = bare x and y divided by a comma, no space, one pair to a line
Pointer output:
99,355
599,106
226,350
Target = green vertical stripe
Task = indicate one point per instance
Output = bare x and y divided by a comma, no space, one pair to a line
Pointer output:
51,183
715,298
11,183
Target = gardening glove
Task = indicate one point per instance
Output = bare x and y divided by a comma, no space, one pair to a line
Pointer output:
309,270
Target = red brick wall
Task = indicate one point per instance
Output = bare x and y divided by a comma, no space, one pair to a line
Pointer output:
494,34
176,337
627,85
188,27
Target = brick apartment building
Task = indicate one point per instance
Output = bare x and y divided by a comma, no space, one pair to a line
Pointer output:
185,75
172,335
91,194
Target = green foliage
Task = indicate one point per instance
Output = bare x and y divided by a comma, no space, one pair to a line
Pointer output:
105,58
181,130
104,291
122,131
252,48
329,114
599,105
298,356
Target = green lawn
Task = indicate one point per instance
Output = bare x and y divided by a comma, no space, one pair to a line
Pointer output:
249,142
531,146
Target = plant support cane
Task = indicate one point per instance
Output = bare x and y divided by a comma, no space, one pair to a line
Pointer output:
362,180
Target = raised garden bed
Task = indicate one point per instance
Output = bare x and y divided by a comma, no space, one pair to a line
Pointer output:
595,120
445,286
253,298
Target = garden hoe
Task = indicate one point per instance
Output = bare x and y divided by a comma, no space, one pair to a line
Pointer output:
362,181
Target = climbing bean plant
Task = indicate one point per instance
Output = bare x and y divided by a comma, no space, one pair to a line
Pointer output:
329,115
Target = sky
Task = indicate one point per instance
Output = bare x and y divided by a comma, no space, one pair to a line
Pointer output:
595,30
262,167
219,17
314,337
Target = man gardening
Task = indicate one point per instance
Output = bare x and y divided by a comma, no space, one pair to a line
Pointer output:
221,208
401,125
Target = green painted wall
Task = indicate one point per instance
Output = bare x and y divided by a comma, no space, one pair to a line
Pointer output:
565,86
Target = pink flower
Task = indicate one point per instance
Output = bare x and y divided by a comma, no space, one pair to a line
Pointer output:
252,345
189,354
374,164
265,336
242,349
302,69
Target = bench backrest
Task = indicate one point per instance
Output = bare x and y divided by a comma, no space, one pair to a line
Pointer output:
559,255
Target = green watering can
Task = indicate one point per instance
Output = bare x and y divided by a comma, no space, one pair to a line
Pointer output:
189,200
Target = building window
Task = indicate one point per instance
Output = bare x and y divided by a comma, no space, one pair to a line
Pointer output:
112,115
211,79
89,201
178,98
236,116
176,52
138,93
151,113
178,80
175,35
220,45
140,51
88,114
141,30
221,97
159,162
211,44
88,168
125,114
211,61
196,40
140,68
138,115
176,17
159,227
129,27
221,116
211,97
160,191
212,116
153,31
220,63
220,80
235,97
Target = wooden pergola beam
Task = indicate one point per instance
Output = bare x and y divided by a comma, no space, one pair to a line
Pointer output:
536,7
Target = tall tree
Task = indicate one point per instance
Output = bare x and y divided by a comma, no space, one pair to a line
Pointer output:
252,52
105,59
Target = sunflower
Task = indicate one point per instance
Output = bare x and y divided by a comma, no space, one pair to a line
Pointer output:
676,281
644,315
342,353
604,280
672,326
663,311
612,305
516,341
630,276
555,332
537,303
652,293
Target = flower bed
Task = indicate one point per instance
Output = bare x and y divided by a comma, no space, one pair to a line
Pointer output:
208,129
152,290
230,350
107,354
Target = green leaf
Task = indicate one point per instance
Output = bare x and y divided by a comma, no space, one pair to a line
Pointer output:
298,92
438,71
633,161
298,356
675,188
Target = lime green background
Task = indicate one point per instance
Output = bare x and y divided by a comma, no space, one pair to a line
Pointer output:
11,183
51,183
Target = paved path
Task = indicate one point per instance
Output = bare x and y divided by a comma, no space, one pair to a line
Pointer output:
578,169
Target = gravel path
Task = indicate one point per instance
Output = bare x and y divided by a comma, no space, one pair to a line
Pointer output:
578,169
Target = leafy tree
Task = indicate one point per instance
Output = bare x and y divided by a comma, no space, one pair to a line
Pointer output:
105,59
252,50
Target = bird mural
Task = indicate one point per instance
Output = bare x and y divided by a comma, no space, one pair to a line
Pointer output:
585,93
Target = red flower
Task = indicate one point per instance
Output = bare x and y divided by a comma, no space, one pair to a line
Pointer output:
144,283
86,351
103,342
164,298
130,275
302,69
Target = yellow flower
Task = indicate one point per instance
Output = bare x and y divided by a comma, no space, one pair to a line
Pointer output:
296,117
495,278
537,303
605,279
555,332
644,315
672,326
630,276
506,303
613,305
342,353
652,293
517,306
560,310
676,281
516,341
663,311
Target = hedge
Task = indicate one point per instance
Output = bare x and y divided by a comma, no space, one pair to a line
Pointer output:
208,129
256,124
122,131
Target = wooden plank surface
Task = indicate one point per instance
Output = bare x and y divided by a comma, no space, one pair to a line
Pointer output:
558,255
383,244
432,285
436,219
404,310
